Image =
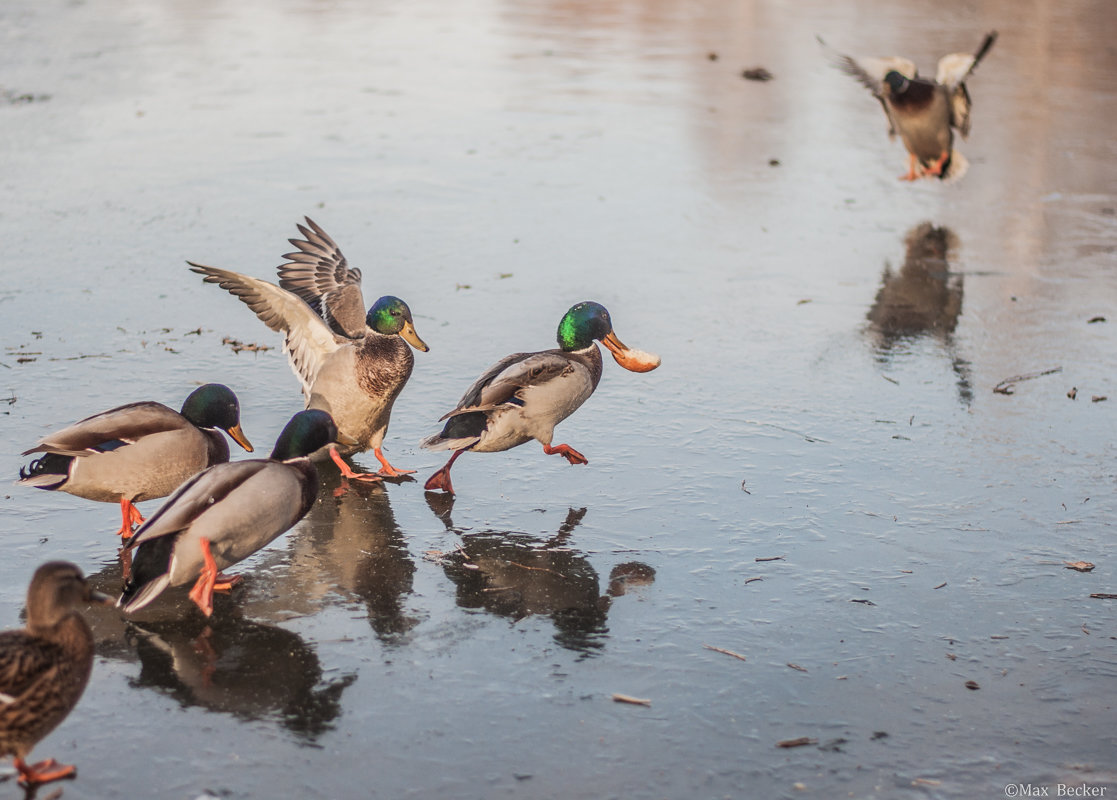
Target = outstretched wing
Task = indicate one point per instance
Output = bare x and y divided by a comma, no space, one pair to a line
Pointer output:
124,424
320,275
953,70
870,72
307,342
505,380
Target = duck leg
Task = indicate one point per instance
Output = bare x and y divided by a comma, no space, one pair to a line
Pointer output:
43,771
441,479
911,174
210,580
347,471
386,469
130,515
568,452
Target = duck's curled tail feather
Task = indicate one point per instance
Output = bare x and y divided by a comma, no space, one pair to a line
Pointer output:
49,471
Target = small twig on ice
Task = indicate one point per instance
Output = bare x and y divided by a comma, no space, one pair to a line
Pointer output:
1006,386
724,651
636,701
802,740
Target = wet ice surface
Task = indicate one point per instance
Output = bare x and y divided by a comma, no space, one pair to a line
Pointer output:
830,341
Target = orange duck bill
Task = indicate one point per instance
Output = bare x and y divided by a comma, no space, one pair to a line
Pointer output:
632,360
238,436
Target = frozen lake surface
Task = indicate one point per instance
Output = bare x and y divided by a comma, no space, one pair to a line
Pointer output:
820,477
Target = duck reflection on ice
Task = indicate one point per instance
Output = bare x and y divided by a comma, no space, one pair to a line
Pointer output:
239,667
228,664
517,575
923,298
350,544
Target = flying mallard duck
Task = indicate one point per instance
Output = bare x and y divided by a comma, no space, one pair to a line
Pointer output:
922,111
525,395
352,364
137,452
225,514
45,666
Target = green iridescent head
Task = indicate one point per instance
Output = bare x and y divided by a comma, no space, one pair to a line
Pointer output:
215,406
391,316
306,432
388,315
582,324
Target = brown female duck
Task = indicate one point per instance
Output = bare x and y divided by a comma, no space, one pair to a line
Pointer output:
45,666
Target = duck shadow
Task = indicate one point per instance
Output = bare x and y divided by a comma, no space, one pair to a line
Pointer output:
517,575
921,299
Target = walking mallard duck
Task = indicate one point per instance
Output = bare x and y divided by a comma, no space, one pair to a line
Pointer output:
137,452
224,514
352,364
44,667
924,112
525,395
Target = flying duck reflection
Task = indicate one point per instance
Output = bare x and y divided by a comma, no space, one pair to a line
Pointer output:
923,298
517,575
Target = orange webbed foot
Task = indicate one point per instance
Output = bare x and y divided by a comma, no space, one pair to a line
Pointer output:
210,580
568,452
226,583
202,595
937,167
387,470
347,471
130,516
441,479
43,772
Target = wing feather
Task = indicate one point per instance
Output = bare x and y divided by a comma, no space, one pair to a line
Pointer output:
952,71
956,67
195,497
308,342
124,423
870,72
320,275
507,378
